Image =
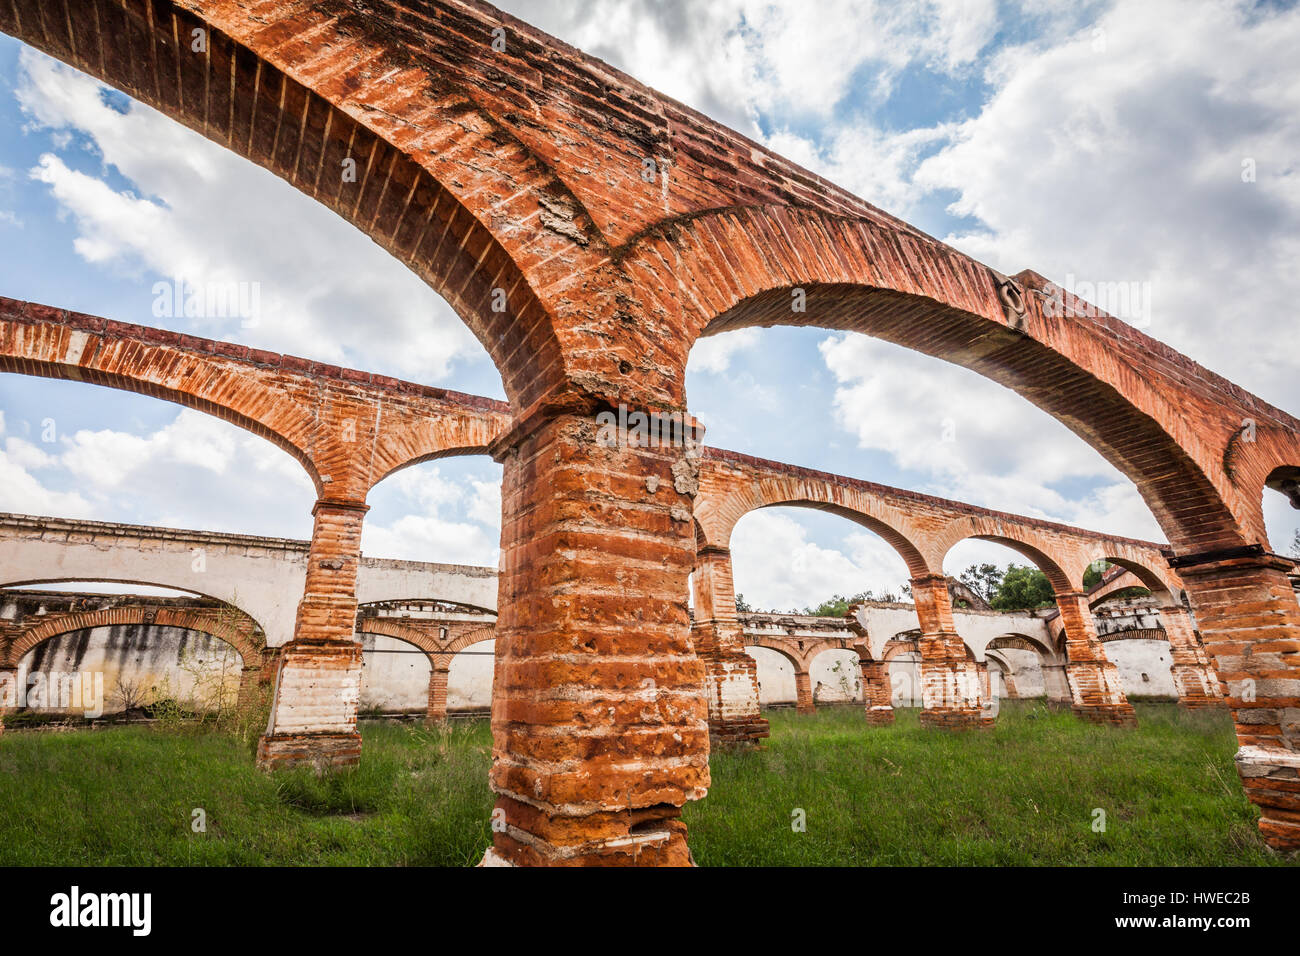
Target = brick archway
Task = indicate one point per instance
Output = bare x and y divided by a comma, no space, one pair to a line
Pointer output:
520,170
898,285
278,102
229,625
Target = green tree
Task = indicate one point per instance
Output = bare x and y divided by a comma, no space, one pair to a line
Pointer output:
983,579
742,606
1295,544
838,605
1023,588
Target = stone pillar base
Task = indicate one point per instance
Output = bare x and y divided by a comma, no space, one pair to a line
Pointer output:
319,751
731,682
950,694
1203,703
1118,715
953,718
1198,687
1272,781
1096,695
744,731
880,716
654,836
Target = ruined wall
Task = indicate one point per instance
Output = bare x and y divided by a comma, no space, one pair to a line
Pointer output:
135,663
1143,667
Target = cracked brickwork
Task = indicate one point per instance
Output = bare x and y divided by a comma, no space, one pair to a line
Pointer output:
518,171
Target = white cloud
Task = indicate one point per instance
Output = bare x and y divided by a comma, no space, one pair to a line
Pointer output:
24,493
735,59
714,354
1138,146
976,440
196,211
775,565
431,538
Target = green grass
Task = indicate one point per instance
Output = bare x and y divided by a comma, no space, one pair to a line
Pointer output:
1022,793
127,795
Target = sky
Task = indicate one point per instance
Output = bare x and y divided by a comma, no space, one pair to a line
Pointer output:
1147,142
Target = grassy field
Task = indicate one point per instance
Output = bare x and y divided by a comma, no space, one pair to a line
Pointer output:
1024,793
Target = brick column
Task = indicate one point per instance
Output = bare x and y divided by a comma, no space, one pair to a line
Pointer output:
731,675
599,722
8,692
1056,687
318,680
1095,691
1195,678
803,694
950,681
1250,622
875,691
437,713
250,682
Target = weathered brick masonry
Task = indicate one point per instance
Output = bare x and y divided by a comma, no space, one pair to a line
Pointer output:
619,226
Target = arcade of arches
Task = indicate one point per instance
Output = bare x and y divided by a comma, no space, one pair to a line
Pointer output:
589,230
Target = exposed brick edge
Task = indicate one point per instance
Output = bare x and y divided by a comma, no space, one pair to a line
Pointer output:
117,529
32,313
780,468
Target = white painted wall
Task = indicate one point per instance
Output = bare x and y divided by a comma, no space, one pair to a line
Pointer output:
775,676
394,675
469,680
1143,667
839,674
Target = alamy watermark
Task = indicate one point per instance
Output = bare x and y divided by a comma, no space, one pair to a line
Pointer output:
208,300
54,690
636,429
1129,300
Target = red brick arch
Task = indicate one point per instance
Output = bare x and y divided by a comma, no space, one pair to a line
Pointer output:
1021,642
437,650
1160,418
387,627
1135,634
264,90
1124,577
470,638
782,646
1043,553
721,505
348,429
226,624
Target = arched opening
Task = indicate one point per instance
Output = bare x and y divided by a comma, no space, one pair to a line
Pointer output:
776,676
226,206
469,680
1280,502
836,676
394,675
902,658
1010,575
447,511
804,560
73,450
107,650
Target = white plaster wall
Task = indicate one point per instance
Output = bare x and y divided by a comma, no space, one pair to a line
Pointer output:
1133,659
188,666
469,679
1026,670
905,680
775,676
844,683
394,675
264,577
